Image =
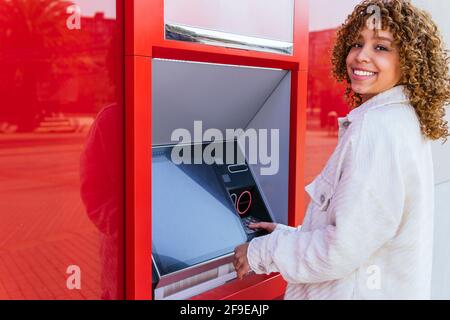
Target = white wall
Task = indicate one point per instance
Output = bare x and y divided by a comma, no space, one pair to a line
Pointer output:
441,155
329,14
209,92
439,11
267,19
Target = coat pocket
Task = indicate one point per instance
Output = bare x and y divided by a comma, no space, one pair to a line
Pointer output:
321,192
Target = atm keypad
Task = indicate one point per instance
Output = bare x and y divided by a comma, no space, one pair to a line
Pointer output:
248,220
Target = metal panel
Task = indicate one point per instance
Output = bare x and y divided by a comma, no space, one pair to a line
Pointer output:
275,114
223,97
266,19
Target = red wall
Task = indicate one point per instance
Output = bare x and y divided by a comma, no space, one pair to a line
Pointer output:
324,92
61,152
326,102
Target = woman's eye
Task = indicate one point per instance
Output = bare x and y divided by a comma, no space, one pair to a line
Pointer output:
357,45
381,48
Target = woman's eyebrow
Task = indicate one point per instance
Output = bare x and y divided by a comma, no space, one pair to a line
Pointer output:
384,38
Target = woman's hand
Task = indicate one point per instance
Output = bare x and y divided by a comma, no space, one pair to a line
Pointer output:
268,226
240,253
240,261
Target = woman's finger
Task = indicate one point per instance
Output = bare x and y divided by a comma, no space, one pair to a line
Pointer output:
239,273
235,261
261,225
238,264
256,225
242,271
268,226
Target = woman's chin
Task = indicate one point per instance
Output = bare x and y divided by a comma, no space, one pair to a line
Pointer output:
360,89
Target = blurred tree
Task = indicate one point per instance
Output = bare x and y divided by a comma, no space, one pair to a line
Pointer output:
35,44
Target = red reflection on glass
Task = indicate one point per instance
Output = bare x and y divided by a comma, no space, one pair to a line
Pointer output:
326,102
61,150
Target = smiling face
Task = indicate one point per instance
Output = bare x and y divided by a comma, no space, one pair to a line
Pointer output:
373,63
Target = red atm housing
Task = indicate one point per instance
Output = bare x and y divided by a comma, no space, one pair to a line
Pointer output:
144,40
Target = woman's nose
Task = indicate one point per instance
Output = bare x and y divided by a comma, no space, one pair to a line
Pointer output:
363,55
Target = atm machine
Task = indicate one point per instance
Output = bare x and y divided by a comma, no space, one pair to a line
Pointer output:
201,208
185,219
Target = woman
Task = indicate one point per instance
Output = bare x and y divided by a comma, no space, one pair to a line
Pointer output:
368,229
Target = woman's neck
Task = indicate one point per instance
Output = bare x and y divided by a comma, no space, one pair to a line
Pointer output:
369,96
366,97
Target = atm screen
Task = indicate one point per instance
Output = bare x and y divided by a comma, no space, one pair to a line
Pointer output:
193,218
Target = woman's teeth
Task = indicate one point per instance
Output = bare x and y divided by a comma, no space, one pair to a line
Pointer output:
363,73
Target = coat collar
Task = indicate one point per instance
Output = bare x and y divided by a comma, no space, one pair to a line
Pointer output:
392,96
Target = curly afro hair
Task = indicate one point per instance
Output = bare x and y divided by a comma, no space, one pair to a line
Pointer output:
423,59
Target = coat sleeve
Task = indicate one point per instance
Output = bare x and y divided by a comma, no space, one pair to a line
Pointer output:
368,207
283,227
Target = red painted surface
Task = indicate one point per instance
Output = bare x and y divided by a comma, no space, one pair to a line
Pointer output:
324,92
144,22
254,287
326,102
61,151
138,177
